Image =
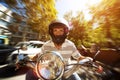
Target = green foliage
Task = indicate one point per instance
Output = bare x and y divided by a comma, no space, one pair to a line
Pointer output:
40,14
78,32
106,16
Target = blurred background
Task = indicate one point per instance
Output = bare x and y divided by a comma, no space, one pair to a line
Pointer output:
22,20
91,21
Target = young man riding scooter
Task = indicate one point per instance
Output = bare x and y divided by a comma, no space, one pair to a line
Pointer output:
58,30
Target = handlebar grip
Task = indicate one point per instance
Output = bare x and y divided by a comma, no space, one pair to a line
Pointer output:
84,61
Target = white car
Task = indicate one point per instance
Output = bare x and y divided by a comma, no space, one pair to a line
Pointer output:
29,48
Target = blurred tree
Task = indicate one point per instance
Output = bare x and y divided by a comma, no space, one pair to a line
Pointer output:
107,15
103,27
78,24
40,13
68,16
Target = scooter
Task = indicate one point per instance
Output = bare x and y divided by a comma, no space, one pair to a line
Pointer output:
51,66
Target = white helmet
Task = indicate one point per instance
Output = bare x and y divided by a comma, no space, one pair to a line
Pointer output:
55,23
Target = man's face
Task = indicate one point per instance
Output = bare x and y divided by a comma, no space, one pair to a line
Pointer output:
58,31
58,34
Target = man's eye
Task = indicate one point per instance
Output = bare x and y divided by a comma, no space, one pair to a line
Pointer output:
54,30
62,30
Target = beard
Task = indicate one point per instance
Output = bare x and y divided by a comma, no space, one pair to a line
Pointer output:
59,39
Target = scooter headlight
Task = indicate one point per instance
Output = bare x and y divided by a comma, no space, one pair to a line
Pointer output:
50,66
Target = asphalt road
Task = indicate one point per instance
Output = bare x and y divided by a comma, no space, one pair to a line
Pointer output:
8,73
20,77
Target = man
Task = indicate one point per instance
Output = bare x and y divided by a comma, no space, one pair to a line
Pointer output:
58,30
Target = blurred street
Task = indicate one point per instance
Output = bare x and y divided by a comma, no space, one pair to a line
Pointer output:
20,77
8,73
86,73
94,29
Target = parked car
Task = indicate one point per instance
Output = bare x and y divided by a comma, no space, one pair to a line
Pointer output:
29,48
19,44
5,51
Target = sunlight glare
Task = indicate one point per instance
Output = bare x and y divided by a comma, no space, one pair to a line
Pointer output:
95,25
75,6
83,5
93,2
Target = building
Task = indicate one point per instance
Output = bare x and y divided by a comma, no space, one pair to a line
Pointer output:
15,31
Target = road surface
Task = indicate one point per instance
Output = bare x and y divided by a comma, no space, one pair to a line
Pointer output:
8,73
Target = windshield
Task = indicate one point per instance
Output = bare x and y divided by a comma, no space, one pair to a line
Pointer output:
21,44
35,45
29,45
